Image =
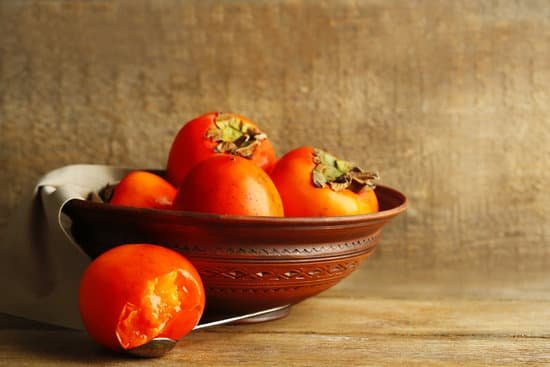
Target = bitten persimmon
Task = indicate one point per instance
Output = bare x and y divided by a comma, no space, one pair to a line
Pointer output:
313,183
213,134
144,190
229,184
133,293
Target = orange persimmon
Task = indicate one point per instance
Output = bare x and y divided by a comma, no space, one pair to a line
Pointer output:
313,183
144,190
133,293
228,184
213,134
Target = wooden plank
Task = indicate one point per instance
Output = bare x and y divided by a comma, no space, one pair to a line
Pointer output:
448,317
323,350
373,279
327,331
264,349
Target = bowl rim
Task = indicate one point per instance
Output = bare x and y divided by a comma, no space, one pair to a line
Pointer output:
241,219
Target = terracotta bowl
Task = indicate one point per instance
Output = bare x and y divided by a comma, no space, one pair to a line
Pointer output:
246,263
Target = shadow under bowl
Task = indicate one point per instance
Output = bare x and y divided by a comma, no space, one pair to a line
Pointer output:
246,263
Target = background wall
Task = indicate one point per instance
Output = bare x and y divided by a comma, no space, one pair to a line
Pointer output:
447,99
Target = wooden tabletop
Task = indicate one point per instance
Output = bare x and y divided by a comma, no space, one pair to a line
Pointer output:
353,324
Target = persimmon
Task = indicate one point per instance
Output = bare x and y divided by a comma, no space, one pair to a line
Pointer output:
229,184
213,134
144,190
313,183
133,293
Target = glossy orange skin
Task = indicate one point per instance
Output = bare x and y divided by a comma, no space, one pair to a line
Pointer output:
119,277
144,190
301,198
191,146
229,184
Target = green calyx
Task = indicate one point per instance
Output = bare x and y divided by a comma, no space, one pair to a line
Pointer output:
339,175
234,136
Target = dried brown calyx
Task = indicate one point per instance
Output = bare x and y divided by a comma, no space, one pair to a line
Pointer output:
234,136
104,195
339,175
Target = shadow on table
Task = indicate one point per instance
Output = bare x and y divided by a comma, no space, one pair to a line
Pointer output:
42,343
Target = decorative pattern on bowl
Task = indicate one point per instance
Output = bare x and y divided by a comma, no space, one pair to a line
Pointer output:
246,263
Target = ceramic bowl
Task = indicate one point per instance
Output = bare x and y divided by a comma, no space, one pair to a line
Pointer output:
246,263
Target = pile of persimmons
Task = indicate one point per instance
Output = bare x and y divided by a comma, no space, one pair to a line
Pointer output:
223,163
220,163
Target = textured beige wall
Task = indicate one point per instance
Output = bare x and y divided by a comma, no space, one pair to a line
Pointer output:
448,99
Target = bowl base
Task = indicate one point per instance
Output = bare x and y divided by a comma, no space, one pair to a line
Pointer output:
271,316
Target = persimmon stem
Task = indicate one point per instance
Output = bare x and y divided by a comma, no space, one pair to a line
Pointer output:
339,175
234,136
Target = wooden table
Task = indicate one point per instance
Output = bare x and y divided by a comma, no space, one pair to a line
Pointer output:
357,323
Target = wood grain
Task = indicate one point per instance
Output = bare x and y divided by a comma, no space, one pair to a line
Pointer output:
328,331
448,100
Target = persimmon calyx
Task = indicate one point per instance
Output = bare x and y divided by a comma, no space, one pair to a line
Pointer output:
234,136
104,195
339,175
